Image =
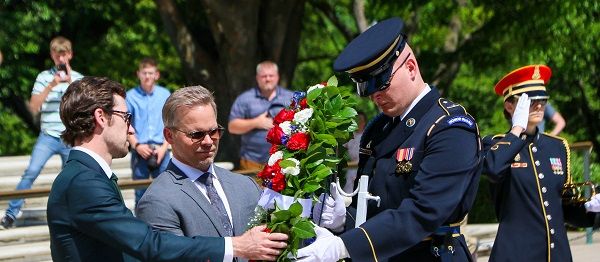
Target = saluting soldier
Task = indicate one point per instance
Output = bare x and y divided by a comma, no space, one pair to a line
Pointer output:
422,154
528,170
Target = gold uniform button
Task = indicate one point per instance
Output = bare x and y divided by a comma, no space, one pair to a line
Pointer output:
541,176
546,203
552,231
537,162
549,217
544,190
534,149
551,245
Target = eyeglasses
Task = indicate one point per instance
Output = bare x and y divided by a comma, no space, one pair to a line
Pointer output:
377,82
214,133
536,102
125,115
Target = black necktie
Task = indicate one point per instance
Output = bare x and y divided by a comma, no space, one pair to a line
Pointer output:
114,179
216,203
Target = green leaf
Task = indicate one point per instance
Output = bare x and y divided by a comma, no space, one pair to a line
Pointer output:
327,138
303,229
280,216
332,81
295,209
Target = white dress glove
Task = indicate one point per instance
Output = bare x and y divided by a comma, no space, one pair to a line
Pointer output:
333,215
326,248
521,115
594,204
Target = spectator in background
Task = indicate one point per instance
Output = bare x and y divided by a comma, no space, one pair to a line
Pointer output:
550,114
353,148
149,150
49,87
252,115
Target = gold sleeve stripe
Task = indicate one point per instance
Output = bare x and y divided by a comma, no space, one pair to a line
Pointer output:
370,243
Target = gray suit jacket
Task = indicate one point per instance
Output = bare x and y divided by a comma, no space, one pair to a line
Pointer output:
173,203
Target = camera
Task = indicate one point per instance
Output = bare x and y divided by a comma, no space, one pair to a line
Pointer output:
62,71
152,162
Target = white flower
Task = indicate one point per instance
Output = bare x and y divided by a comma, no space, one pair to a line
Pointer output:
303,116
314,87
292,170
286,127
275,157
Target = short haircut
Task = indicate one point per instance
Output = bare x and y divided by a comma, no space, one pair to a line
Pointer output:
266,64
148,61
60,44
79,102
188,97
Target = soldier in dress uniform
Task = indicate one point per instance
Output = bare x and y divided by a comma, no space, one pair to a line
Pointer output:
528,170
422,154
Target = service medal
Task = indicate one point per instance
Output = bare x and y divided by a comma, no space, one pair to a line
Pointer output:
403,157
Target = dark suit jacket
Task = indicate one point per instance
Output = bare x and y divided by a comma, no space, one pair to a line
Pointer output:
88,221
173,203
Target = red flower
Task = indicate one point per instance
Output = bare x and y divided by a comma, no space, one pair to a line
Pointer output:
278,182
269,171
324,83
303,103
274,135
274,148
284,115
298,141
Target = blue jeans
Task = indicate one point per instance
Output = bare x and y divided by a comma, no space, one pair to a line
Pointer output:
139,170
45,147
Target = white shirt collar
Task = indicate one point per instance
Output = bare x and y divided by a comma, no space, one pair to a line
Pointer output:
414,102
191,172
105,167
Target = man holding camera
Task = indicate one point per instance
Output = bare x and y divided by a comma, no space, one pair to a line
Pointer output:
48,89
149,151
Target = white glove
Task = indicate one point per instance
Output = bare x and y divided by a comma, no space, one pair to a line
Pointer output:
594,204
334,210
326,248
521,115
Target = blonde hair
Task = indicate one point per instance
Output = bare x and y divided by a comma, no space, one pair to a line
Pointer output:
60,44
187,97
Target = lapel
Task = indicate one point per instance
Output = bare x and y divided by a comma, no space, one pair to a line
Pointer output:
86,160
402,130
232,194
189,188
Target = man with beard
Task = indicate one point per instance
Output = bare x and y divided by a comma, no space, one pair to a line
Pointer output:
193,196
87,217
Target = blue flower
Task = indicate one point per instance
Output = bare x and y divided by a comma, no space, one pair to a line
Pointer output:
284,139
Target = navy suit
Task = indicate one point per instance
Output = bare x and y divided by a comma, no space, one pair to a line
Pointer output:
527,176
88,221
438,190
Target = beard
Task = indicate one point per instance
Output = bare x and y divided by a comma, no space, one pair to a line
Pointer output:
118,150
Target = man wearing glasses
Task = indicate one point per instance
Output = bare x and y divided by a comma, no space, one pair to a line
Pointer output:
422,154
193,196
87,217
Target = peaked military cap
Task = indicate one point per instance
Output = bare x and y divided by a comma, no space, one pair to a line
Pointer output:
369,58
531,79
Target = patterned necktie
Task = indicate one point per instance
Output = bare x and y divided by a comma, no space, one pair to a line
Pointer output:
114,179
216,203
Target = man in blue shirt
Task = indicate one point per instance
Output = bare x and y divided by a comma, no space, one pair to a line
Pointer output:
149,154
252,115
47,91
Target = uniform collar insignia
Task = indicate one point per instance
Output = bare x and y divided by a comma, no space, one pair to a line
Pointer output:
411,122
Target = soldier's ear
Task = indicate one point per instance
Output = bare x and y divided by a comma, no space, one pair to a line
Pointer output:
509,106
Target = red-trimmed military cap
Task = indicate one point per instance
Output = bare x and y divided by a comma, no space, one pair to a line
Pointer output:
531,79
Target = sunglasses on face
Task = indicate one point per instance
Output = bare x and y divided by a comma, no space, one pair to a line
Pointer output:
214,133
125,115
378,81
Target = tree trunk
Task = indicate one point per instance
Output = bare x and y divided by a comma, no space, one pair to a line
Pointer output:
222,55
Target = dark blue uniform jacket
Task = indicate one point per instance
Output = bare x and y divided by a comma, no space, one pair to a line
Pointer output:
439,190
527,176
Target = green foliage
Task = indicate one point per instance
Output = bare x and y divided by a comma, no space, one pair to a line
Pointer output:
14,139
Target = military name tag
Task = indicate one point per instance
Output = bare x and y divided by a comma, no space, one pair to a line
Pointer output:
518,165
403,157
